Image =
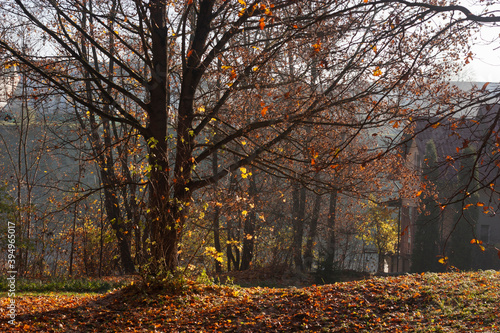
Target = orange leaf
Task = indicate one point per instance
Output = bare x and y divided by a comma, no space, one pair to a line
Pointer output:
435,125
317,47
484,86
190,2
189,53
233,74
473,241
264,111
480,204
377,72
262,24
419,193
404,231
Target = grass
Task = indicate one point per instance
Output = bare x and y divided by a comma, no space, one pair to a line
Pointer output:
448,302
59,285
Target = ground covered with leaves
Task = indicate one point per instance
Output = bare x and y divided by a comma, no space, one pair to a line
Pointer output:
451,302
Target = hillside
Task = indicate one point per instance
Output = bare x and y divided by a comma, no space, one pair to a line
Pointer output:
451,302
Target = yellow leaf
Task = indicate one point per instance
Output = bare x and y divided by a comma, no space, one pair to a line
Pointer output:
244,213
243,170
443,260
242,2
377,72
482,248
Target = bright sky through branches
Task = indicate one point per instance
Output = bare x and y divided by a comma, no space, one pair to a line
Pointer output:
485,66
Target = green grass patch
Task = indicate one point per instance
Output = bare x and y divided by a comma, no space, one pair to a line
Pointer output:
59,285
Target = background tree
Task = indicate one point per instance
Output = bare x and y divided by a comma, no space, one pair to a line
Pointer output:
460,249
427,235
380,229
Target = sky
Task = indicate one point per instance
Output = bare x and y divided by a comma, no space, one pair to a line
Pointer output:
485,66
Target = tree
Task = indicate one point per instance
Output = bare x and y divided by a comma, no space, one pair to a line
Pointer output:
380,229
427,236
367,53
460,251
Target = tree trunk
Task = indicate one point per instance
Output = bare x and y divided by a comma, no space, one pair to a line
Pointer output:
313,230
249,229
330,250
216,227
298,214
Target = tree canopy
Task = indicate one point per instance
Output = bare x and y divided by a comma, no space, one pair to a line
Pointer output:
297,89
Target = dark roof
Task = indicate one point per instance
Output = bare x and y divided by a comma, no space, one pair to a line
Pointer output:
452,135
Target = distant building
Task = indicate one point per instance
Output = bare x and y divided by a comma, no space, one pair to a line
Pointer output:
480,131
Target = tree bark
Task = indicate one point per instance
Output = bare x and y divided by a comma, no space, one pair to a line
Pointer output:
330,250
216,227
249,229
313,230
298,214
